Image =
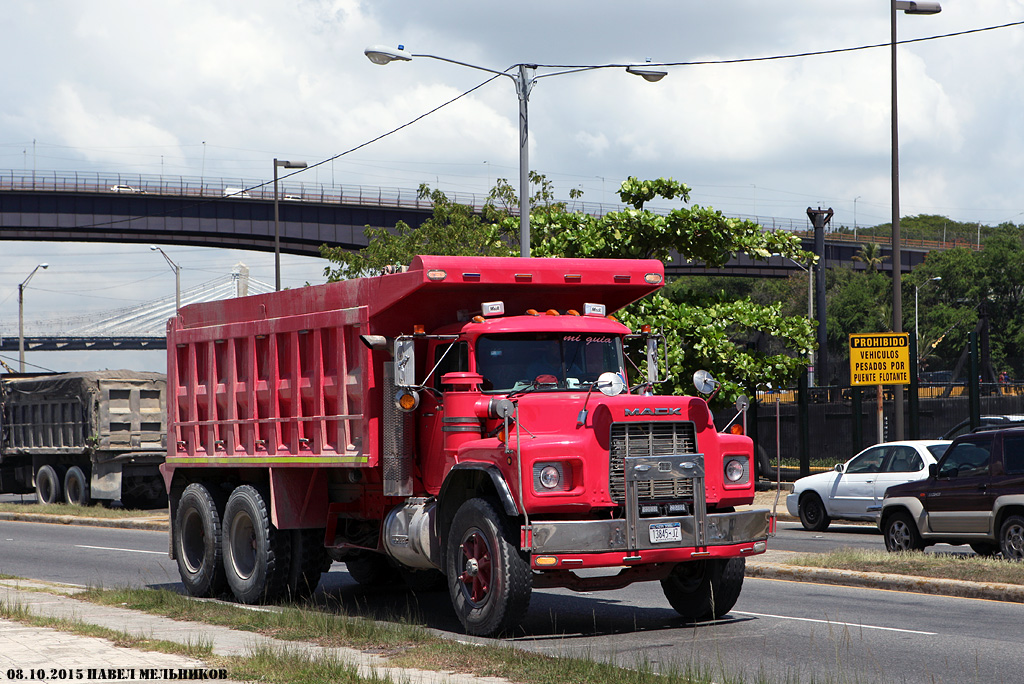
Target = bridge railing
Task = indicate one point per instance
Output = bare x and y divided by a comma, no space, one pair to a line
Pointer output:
288,191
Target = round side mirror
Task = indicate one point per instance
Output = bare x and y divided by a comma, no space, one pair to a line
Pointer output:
704,381
742,403
610,384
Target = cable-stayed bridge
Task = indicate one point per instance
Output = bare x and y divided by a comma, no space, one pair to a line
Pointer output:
142,326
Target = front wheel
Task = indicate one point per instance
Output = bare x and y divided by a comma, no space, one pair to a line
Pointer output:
813,515
901,533
1011,538
705,589
490,583
256,554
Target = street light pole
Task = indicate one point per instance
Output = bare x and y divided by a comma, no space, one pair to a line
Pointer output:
524,78
177,276
21,316
277,229
908,7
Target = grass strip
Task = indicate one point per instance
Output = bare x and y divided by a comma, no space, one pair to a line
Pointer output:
95,511
952,566
404,645
200,650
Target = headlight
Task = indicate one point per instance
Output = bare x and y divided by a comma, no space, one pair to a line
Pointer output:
549,477
734,470
552,476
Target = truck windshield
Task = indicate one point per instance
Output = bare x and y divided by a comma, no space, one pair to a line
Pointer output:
549,360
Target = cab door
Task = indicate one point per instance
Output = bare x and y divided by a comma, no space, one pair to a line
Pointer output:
445,357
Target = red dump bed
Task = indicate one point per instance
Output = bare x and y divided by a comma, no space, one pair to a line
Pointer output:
283,379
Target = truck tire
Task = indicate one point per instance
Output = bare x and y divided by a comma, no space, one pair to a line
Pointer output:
309,560
489,581
48,485
197,542
256,554
705,589
76,487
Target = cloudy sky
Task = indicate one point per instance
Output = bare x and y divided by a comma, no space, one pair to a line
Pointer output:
218,88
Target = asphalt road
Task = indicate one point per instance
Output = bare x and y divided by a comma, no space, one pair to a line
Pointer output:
785,631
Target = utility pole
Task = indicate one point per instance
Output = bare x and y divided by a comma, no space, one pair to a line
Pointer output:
819,219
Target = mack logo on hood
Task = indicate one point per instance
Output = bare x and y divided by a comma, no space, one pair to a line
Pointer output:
659,411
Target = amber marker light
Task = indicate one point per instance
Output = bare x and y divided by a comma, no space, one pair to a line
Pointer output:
652,278
551,312
736,429
437,274
419,329
546,561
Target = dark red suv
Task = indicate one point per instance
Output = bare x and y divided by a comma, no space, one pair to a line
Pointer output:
973,495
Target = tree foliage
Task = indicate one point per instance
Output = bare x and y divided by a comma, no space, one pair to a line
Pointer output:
453,229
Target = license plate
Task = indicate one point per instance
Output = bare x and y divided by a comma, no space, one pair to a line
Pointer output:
666,532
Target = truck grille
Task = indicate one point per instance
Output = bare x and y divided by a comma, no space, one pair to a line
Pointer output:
656,438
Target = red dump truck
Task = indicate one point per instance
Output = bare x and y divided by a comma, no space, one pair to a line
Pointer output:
469,420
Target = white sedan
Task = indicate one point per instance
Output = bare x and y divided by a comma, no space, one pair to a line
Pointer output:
852,487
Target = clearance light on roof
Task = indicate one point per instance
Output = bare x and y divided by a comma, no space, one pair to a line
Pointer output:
551,312
437,274
652,278
493,308
532,312
572,312
593,310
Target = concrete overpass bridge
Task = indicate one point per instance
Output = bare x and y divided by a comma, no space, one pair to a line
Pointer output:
239,214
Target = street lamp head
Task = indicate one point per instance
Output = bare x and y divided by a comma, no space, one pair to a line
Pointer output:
382,54
154,248
290,164
650,75
937,278
44,265
913,7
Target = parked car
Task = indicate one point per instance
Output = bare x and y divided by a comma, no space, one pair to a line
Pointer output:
848,491
239,193
973,495
125,188
963,427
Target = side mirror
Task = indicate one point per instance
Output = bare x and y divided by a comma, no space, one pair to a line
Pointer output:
839,467
933,470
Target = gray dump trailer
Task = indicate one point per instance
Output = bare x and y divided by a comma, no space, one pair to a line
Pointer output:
80,437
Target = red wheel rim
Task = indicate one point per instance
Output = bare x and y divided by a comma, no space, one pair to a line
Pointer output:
476,568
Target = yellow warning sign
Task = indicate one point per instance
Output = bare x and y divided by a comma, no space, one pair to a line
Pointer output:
880,359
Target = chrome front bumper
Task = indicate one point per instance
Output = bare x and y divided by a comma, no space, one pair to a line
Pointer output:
599,536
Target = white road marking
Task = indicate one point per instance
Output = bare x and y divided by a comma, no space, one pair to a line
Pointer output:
110,548
832,622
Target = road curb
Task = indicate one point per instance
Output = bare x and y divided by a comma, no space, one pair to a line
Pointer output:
993,591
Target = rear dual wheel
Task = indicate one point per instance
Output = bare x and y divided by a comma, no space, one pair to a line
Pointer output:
256,554
197,541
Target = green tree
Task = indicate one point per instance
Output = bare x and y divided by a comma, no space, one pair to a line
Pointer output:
452,229
870,254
